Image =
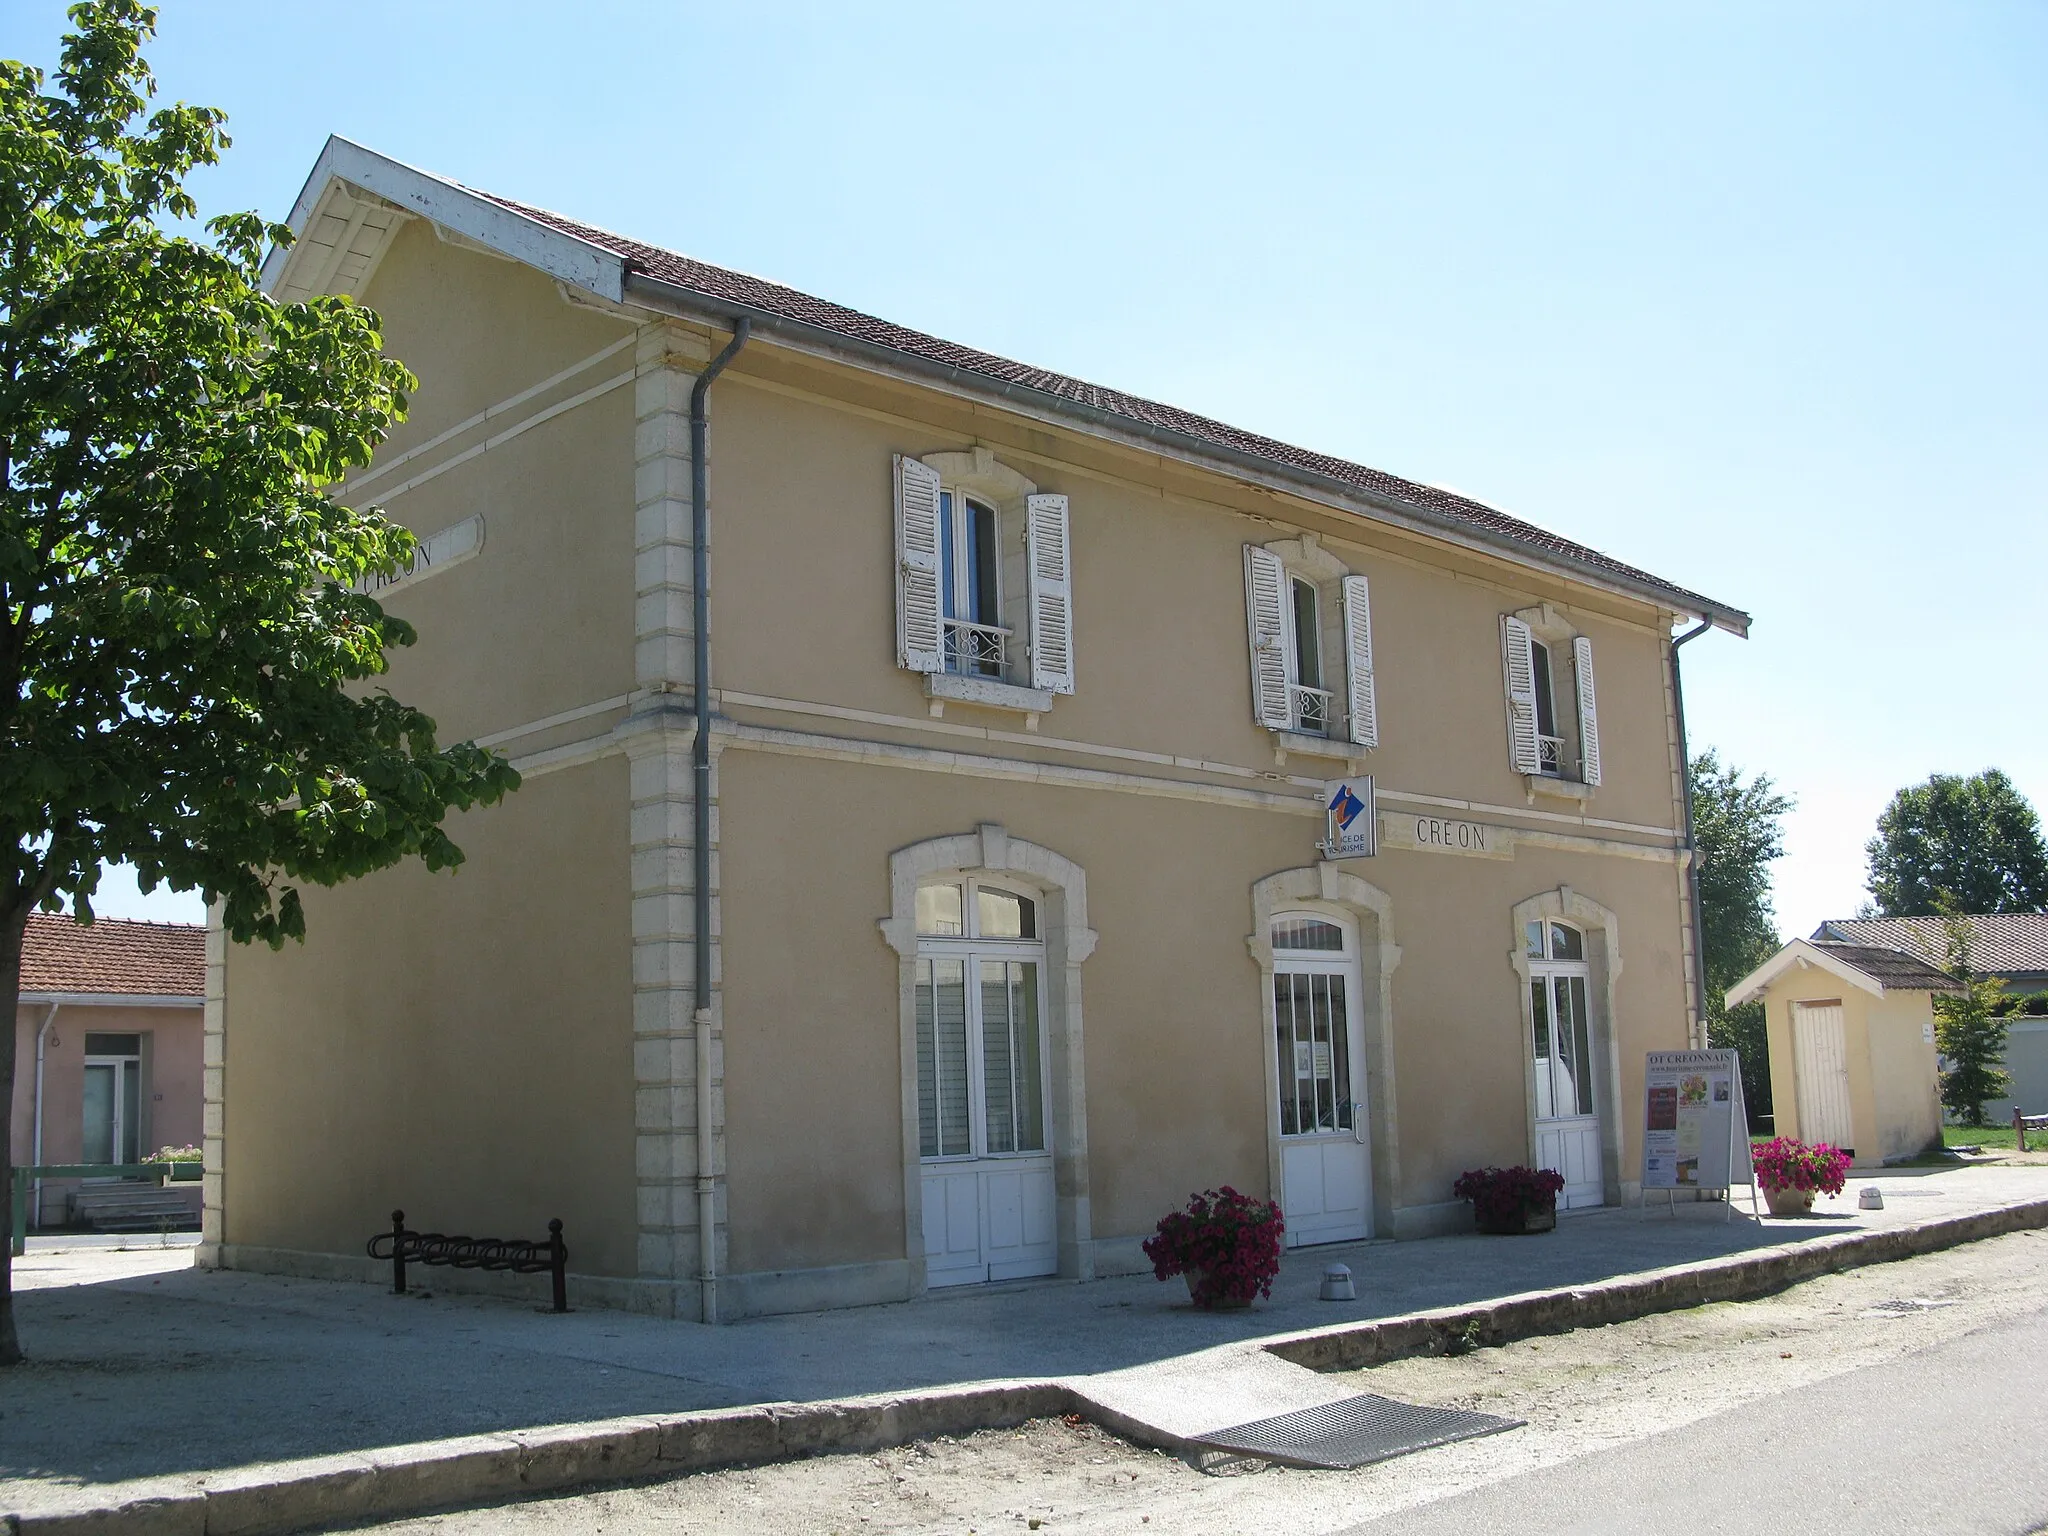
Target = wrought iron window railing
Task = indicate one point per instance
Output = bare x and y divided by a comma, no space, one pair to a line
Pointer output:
976,650
1312,709
1550,754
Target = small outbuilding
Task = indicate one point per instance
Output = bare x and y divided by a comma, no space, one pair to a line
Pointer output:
1851,1029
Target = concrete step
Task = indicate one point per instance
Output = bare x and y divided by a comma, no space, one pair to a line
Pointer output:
180,1221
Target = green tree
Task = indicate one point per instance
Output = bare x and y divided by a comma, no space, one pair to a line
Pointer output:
1976,838
1969,1030
1735,827
186,665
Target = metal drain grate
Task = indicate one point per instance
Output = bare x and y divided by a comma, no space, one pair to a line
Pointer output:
1353,1432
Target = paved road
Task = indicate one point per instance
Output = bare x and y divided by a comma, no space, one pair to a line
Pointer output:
1926,1443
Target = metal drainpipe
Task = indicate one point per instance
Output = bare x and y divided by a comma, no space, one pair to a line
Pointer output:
700,807
42,1035
1692,863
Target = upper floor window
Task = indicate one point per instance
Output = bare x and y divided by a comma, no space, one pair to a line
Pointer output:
1308,617
976,640
984,578
1541,713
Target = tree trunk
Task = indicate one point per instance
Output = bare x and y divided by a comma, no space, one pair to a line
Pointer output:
13,924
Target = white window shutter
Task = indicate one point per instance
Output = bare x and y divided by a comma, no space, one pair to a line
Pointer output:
1525,755
1049,554
1365,710
1265,606
1589,718
920,643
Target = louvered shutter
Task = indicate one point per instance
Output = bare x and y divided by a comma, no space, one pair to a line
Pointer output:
1525,755
1265,606
1049,554
1589,718
920,644
1365,712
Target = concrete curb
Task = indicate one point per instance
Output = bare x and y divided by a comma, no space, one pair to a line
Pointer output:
1740,1277
276,1498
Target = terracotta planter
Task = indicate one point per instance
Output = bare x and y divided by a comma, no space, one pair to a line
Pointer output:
1789,1201
1532,1219
1194,1278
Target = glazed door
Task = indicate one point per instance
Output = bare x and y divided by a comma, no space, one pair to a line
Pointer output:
1325,1159
983,1119
112,1109
1567,1122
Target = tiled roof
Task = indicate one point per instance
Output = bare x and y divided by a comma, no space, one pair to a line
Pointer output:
115,956
1892,969
772,299
2001,943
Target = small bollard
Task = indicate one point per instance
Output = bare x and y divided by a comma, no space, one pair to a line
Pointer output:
1872,1198
1337,1284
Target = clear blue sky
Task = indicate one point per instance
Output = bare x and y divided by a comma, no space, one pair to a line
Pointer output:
1749,295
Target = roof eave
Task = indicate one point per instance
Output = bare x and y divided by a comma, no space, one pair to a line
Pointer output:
656,293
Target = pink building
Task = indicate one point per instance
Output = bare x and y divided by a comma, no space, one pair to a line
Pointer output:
108,1061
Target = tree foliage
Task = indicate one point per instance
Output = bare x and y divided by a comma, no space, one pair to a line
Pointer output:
1975,838
1970,1031
187,671
1735,828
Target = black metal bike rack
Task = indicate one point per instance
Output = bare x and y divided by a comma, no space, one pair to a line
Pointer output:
518,1256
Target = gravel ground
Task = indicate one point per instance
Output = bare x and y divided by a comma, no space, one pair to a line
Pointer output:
1579,1392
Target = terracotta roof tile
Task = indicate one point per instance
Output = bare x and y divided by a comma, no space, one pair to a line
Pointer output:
114,956
769,298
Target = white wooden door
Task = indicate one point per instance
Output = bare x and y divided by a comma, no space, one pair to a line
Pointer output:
1821,1058
1567,1114
983,1117
1325,1152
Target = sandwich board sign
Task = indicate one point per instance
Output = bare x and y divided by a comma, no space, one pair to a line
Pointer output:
1351,817
1695,1125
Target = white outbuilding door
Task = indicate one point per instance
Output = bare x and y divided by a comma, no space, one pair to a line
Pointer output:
1325,1156
1561,1041
1821,1058
984,1124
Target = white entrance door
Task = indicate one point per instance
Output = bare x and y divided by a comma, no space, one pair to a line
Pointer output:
1325,1156
1567,1114
1821,1058
984,1126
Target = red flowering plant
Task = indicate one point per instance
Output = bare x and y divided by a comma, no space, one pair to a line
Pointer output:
1227,1243
1503,1197
1784,1162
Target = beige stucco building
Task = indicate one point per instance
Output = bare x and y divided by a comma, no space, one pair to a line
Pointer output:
1851,1032
1026,700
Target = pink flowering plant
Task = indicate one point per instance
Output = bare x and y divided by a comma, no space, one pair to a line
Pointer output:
1786,1163
1229,1243
1502,1197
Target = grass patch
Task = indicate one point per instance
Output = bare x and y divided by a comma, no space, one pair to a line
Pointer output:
1985,1136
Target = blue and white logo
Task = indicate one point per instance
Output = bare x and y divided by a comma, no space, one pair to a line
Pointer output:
1352,830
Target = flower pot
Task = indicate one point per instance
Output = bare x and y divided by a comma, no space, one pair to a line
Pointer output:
185,1173
1789,1201
1194,1278
1532,1218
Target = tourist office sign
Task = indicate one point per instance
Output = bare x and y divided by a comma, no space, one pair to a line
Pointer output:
1695,1126
1351,819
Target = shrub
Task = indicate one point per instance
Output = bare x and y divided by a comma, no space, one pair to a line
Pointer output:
1502,1196
175,1155
1785,1163
1229,1242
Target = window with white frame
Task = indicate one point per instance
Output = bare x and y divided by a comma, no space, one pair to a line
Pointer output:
984,583
1310,625
981,1049
1562,1033
1553,724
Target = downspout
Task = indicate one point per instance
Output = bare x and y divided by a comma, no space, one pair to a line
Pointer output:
1692,862
42,1035
700,807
